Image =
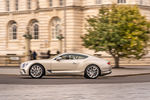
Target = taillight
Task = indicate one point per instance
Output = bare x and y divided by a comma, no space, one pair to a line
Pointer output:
108,63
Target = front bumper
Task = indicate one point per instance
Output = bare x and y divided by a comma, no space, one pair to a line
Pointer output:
24,68
23,72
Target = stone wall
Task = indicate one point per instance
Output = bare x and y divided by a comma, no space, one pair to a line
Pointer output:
76,12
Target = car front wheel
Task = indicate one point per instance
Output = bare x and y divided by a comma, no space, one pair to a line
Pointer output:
36,71
92,72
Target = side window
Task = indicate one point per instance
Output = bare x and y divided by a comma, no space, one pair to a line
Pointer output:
65,57
68,57
80,57
73,56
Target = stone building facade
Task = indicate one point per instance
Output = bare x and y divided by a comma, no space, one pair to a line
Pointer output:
46,19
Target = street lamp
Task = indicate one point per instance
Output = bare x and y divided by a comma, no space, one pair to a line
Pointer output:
28,38
60,37
65,26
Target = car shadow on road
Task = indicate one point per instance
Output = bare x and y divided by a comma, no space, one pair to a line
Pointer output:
62,77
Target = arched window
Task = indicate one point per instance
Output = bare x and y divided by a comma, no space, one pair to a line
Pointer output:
121,1
55,27
7,5
16,5
98,1
12,31
28,4
34,29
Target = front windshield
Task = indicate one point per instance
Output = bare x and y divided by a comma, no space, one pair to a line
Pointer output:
53,57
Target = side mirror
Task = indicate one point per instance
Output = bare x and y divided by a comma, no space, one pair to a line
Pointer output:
59,58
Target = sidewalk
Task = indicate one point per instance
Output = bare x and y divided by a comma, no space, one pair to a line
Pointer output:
123,71
130,71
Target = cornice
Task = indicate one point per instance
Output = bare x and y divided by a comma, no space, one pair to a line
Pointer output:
62,8
108,5
94,6
144,7
40,10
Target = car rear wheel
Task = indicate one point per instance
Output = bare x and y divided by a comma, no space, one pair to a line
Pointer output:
36,71
92,72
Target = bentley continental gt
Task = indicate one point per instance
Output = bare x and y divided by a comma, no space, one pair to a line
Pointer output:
67,63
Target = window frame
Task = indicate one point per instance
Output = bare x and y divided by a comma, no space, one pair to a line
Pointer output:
98,2
7,5
34,29
50,2
61,2
29,4
12,31
121,1
16,4
74,58
37,4
141,2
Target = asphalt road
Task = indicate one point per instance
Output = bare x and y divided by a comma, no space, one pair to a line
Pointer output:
60,80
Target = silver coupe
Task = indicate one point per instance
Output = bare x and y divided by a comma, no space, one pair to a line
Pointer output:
67,63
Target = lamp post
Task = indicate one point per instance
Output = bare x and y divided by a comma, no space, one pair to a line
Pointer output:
28,38
65,26
60,37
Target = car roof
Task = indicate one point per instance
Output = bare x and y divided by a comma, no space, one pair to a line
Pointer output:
75,53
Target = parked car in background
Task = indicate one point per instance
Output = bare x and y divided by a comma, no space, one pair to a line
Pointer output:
67,63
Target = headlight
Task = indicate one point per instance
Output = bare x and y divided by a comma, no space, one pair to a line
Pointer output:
24,65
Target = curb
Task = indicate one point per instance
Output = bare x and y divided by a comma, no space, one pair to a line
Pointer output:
128,75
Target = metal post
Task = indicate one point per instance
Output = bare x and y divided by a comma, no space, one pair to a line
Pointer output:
27,54
65,32
60,45
27,47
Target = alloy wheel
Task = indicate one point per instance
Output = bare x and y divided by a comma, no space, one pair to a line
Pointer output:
92,72
36,71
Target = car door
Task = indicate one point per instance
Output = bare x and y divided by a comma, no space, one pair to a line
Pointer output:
67,63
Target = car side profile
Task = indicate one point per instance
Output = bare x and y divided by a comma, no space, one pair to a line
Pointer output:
67,63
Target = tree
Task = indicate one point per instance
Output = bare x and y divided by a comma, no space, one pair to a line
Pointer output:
119,30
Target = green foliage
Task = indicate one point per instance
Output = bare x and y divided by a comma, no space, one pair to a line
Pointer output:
119,30
60,37
28,36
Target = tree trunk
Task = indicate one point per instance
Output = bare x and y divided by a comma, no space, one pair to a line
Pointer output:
116,59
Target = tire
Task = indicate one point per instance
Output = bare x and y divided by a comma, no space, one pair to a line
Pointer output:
36,71
92,72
